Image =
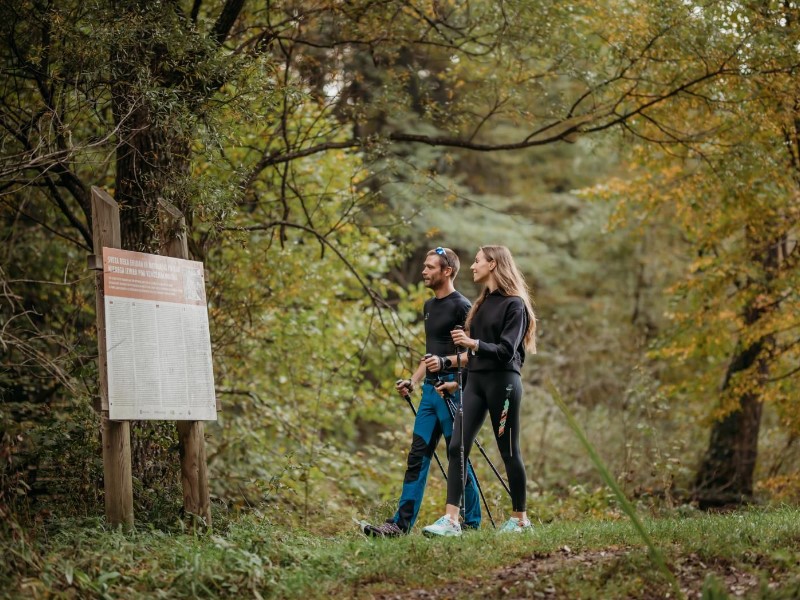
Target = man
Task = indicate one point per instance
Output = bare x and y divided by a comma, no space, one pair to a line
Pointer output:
444,312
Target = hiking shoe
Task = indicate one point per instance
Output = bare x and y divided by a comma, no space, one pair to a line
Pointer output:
443,527
388,529
514,525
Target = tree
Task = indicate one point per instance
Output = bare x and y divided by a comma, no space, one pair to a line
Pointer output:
726,169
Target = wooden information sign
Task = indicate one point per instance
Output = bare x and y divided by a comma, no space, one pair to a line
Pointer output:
157,338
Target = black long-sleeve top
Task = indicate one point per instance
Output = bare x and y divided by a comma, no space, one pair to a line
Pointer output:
442,315
499,325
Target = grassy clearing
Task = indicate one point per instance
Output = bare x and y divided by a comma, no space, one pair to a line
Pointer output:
248,557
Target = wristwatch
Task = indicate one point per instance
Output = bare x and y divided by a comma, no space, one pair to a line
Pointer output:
477,346
447,362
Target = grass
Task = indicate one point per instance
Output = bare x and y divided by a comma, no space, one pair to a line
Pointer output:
247,557
611,482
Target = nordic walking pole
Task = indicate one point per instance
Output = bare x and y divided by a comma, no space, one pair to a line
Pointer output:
485,503
461,414
447,400
483,452
461,421
407,398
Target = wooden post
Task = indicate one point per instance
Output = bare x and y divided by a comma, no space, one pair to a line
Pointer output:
116,435
191,438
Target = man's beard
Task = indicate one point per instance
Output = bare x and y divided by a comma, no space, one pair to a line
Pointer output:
434,283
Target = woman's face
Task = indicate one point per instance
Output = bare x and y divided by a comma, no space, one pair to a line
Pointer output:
482,268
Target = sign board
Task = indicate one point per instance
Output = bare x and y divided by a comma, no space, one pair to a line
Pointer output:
157,338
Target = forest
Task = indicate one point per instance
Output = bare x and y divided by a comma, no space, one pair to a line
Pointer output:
640,158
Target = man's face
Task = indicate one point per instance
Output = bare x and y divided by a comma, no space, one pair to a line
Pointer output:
433,274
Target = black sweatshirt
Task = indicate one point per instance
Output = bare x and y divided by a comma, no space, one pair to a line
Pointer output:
499,325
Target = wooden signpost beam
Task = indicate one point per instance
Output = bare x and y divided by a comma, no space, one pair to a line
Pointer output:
191,434
116,435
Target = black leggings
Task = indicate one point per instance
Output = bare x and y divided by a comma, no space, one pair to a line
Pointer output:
499,393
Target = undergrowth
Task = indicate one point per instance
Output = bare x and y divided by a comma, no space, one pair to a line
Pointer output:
249,555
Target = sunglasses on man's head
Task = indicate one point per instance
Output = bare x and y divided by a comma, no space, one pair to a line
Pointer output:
441,252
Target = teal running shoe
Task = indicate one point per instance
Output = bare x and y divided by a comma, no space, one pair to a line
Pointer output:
514,525
444,527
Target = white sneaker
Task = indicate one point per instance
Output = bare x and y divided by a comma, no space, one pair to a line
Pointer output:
443,527
514,525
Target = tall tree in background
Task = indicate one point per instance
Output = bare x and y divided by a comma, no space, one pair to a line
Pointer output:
762,365
165,69
726,169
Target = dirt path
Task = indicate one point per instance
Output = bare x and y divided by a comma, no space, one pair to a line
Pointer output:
532,577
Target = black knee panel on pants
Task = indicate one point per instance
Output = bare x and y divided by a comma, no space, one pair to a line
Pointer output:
419,450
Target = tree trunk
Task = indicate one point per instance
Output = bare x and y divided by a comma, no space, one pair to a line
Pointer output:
148,160
725,476
151,157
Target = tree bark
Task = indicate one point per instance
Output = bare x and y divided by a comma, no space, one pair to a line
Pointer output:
149,159
725,476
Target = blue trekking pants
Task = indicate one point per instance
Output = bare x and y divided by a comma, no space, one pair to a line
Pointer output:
433,420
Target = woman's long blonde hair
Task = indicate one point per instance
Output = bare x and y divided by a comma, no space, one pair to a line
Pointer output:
510,282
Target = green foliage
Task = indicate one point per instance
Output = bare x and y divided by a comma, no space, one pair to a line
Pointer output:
300,334
724,170
48,438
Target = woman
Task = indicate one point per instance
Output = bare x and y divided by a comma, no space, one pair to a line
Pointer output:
500,327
